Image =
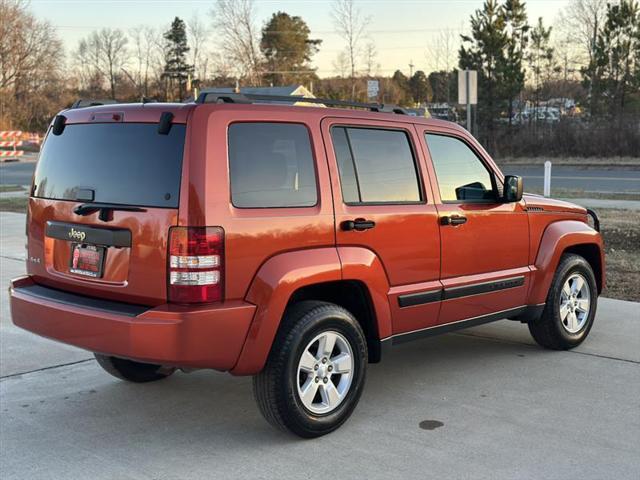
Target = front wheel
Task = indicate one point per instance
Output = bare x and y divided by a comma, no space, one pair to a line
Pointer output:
315,372
570,308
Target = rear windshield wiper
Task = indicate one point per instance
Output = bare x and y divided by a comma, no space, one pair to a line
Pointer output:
105,209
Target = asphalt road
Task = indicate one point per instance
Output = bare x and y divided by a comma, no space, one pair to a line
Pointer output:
492,405
590,180
16,173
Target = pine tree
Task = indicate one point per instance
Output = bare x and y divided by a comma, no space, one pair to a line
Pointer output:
612,75
484,51
176,69
402,83
540,57
420,87
287,49
516,30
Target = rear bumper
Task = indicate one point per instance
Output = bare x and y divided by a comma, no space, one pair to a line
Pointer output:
208,336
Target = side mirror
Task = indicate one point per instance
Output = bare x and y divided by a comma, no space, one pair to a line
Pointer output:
513,188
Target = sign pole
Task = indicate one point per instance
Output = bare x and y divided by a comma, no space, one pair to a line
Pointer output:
468,91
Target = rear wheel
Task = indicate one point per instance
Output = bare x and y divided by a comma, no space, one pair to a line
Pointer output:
570,307
133,371
315,372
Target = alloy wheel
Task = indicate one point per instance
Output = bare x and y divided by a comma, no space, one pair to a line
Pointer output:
325,372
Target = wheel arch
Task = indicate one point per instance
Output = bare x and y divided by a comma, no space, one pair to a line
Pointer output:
566,236
307,274
352,295
592,254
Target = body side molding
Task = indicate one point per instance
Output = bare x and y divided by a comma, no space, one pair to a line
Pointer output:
447,293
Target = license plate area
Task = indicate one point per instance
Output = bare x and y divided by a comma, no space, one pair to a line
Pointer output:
86,260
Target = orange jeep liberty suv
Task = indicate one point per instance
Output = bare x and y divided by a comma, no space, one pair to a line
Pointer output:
295,244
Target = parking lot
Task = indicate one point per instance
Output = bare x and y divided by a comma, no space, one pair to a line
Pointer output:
481,403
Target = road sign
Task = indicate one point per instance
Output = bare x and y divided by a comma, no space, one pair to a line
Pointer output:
373,87
468,86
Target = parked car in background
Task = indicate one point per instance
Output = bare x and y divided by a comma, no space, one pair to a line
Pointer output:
538,115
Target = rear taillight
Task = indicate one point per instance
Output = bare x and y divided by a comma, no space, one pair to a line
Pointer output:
196,264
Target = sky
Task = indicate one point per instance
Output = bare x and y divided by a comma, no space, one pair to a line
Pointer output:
404,31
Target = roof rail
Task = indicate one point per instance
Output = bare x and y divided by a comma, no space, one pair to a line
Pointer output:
82,103
224,97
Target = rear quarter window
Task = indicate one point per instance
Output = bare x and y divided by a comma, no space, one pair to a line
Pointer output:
271,165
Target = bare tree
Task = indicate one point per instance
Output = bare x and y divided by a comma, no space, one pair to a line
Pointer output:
26,42
370,59
198,37
442,56
143,51
221,66
105,51
350,25
31,59
234,20
341,64
580,21
568,56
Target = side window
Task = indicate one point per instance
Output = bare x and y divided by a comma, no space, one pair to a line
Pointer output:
462,177
376,166
271,165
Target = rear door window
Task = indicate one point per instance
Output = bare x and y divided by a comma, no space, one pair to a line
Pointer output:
122,163
271,165
376,166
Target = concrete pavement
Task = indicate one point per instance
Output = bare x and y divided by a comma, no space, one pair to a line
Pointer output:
19,351
508,409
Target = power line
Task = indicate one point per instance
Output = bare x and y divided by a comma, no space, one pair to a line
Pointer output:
313,32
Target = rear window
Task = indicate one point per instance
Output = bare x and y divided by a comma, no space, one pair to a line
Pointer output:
123,163
271,165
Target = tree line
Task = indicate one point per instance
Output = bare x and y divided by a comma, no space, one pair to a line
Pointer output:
592,56
600,43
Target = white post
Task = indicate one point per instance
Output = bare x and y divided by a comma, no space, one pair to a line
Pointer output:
547,178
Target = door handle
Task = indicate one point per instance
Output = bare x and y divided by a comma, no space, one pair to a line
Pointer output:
453,220
359,224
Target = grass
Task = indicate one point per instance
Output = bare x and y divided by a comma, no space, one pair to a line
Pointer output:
14,204
620,229
621,232
11,188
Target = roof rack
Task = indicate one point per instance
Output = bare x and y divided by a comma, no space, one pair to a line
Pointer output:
82,103
224,97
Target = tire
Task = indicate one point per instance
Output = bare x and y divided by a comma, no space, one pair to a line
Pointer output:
279,388
553,329
132,371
